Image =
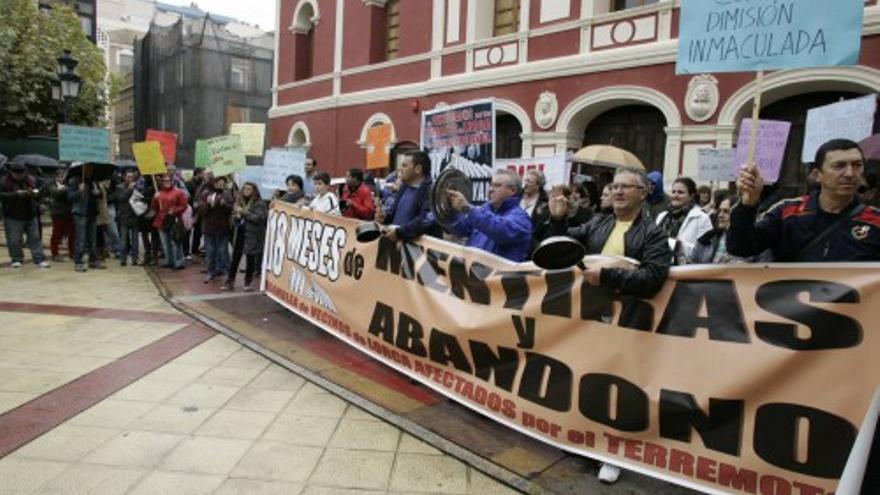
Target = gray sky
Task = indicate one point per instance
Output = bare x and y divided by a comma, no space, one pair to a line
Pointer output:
261,12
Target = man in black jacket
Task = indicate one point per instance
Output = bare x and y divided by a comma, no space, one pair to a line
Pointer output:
627,232
829,224
409,214
19,193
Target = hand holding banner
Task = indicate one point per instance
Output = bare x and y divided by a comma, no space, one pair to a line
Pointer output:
148,156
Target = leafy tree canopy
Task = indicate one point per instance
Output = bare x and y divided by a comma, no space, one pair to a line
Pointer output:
30,44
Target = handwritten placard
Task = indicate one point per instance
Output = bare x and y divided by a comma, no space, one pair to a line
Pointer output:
770,149
83,144
735,36
225,155
167,141
850,119
253,174
278,163
149,158
202,159
252,137
716,164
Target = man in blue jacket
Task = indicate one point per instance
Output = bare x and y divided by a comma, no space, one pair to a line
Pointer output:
829,224
500,226
409,213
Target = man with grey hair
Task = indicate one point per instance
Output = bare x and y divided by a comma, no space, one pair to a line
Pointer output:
500,226
627,232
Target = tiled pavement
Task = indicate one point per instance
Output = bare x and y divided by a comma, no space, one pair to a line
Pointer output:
217,419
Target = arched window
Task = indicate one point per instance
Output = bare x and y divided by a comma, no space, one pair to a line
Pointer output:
639,129
305,18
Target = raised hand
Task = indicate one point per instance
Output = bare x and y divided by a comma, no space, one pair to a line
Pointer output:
749,185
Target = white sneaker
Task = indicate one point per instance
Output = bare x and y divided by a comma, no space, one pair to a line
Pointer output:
16,264
43,264
609,473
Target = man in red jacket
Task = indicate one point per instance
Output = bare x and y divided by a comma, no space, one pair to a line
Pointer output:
169,204
357,198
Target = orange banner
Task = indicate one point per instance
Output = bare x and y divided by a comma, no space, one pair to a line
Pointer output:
733,379
378,146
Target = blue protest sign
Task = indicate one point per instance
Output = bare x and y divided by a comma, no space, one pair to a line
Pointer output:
752,35
278,163
83,144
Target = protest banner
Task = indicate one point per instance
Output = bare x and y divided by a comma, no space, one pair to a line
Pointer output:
149,158
83,144
378,146
167,141
737,36
279,163
769,142
254,174
202,160
732,379
225,155
252,137
462,136
555,169
850,119
716,164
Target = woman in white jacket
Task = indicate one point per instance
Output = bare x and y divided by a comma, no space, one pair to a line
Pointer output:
325,201
684,221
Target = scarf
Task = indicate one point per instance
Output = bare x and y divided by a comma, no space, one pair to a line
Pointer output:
674,219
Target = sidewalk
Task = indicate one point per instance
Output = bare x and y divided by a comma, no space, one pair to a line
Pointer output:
106,388
272,330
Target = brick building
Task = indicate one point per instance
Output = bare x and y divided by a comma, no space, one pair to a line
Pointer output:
607,68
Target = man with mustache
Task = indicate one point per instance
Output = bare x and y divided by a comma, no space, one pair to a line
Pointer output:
828,224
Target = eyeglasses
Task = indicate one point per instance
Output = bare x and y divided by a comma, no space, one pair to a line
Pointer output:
625,187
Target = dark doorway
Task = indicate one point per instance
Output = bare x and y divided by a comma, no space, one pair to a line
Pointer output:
638,129
508,136
793,176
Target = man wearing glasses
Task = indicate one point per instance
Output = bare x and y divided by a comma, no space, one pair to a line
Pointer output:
627,232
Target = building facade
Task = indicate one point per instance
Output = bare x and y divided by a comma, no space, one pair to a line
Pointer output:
196,77
564,74
86,10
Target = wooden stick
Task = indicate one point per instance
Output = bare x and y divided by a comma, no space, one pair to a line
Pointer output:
756,110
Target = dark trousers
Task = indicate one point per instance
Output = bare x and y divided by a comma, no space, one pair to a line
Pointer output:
151,240
18,229
129,243
86,232
63,228
196,236
250,260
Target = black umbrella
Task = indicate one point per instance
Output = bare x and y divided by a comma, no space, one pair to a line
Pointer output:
34,160
97,171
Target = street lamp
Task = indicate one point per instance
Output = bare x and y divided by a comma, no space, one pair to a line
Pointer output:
66,87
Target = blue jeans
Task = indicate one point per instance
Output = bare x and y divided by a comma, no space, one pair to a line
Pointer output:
86,233
217,254
173,250
15,230
111,238
129,243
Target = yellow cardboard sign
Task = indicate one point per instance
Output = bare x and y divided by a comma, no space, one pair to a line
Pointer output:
252,137
149,158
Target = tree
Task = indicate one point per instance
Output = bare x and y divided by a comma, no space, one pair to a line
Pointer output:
30,43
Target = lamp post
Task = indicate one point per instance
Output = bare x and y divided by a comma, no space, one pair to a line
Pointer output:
66,88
